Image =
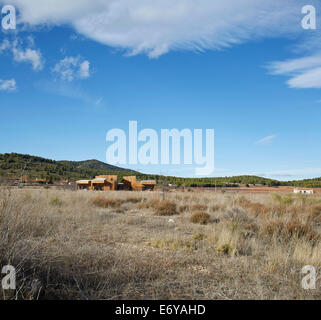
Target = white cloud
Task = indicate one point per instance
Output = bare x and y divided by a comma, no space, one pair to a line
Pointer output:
84,69
158,26
71,68
308,79
20,54
4,45
304,72
8,85
294,65
30,56
266,140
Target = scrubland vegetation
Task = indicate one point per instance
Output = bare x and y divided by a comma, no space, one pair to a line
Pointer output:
126,245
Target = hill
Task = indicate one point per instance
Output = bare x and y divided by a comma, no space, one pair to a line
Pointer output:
14,165
92,164
306,183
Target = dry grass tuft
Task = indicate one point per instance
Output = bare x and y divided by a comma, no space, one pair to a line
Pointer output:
255,208
237,215
171,244
199,207
199,236
56,202
63,247
134,200
216,207
165,208
316,211
283,200
200,217
106,203
226,249
184,208
288,230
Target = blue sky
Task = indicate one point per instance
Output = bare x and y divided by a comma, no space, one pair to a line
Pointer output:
63,86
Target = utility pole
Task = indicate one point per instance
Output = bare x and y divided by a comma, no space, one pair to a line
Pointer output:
163,184
24,171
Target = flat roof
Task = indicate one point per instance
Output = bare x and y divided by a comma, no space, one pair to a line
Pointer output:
99,180
83,181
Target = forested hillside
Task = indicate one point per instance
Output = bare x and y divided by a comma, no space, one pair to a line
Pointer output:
15,165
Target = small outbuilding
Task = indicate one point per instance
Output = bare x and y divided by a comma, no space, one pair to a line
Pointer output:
148,185
83,184
111,182
130,183
303,191
101,184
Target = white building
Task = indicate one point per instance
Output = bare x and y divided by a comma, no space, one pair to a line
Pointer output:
303,191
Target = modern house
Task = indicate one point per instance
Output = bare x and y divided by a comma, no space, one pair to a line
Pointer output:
130,183
105,183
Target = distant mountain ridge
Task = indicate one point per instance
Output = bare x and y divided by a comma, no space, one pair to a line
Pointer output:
14,165
92,164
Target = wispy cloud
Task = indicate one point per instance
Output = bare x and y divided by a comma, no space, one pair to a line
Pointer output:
158,26
99,101
266,140
71,68
8,85
304,72
68,90
4,45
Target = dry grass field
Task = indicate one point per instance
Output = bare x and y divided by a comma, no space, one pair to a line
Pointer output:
127,245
